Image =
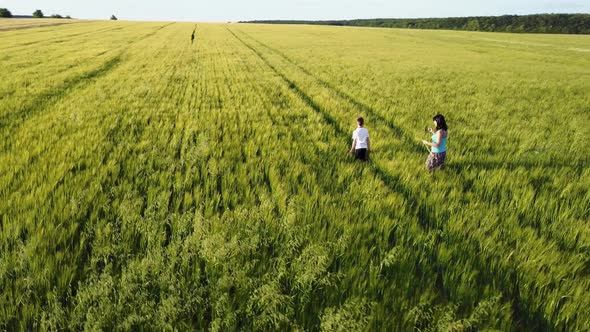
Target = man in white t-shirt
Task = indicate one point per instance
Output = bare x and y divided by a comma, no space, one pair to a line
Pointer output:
360,141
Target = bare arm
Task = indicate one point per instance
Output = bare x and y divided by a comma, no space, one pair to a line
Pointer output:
353,146
368,144
437,144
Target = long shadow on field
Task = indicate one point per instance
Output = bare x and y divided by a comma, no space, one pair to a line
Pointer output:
116,147
50,40
411,144
466,169
523,315
510,165
42,101
425,213
33,26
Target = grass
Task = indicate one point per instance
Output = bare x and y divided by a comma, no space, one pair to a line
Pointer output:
7,24
150,183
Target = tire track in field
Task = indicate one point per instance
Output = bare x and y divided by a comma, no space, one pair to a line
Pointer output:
331,160
67,67
486,164
425,214
417,148
31,67
395,129
106,182
409,140
40,102
177,167
507,278
20,46
35,157
35,26
422,211
110,134
10,121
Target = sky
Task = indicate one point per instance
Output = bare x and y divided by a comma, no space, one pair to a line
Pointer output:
242,10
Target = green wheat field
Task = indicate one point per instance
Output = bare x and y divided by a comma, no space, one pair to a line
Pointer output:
151,183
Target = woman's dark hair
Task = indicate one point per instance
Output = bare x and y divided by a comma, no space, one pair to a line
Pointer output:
361,121
440,122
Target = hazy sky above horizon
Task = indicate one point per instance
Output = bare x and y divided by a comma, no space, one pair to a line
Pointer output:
234,10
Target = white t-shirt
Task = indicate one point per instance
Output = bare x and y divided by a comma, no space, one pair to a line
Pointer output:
362,136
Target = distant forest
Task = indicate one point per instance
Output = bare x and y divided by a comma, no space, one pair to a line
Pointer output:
541,23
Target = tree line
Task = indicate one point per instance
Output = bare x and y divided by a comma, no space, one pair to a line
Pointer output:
5,13
540,23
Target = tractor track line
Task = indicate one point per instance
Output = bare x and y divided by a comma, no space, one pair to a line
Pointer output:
19,47
424,212
415,147
394,182
42,101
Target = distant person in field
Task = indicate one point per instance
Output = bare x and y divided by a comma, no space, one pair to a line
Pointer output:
361,144
438,153
193,37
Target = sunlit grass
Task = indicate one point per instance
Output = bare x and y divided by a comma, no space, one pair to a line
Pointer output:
150,183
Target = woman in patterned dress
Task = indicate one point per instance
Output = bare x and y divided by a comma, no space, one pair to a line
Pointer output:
438,154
